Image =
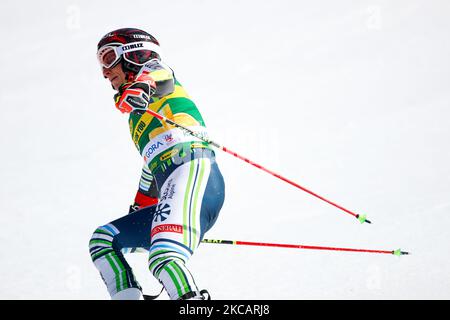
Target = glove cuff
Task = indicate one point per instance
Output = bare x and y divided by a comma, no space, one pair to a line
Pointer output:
144,201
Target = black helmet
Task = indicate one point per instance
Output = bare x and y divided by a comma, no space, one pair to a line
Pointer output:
143,48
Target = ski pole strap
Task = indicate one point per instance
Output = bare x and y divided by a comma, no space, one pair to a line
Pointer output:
149,297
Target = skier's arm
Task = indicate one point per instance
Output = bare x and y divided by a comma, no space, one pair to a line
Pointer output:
147,194
163,77
154,79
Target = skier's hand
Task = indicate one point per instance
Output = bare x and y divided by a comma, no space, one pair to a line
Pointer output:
141,201
135,96
134,207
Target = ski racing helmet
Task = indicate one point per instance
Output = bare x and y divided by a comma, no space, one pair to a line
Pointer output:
130,46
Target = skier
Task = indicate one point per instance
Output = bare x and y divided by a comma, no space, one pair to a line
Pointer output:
178,168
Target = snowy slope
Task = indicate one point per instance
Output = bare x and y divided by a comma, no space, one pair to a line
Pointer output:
348,98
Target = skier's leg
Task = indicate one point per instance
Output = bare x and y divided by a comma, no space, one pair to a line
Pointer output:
131,231
213,199
190,200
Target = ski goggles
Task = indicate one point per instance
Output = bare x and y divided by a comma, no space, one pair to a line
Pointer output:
138,53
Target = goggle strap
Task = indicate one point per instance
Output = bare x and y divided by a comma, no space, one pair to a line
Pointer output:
136,46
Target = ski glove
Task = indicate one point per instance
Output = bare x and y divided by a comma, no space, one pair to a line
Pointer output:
141,201
135,96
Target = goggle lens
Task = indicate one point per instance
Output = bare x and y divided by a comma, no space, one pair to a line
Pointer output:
109,58
138,57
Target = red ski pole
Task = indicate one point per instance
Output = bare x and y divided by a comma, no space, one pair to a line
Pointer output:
361,218
397,252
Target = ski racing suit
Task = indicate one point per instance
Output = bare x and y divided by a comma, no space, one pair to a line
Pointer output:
191,194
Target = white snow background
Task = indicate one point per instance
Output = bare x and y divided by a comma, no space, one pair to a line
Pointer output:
350,99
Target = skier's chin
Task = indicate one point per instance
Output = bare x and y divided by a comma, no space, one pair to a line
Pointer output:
115,82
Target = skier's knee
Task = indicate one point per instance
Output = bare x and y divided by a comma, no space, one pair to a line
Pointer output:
159,258
109,261
101,242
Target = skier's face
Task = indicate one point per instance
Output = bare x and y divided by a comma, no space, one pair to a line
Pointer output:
115,75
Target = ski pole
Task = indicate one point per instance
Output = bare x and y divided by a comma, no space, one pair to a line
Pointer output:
397,252
361,218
